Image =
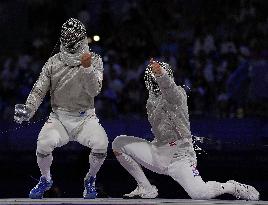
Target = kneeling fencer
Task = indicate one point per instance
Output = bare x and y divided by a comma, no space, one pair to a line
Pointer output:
171,152
74,77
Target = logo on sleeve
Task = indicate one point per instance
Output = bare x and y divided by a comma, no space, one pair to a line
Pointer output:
195,171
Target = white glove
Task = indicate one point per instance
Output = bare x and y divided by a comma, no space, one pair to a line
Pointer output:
22,113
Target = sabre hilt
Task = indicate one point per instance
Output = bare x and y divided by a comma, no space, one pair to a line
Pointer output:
22,113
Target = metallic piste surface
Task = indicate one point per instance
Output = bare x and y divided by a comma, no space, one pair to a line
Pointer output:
77,201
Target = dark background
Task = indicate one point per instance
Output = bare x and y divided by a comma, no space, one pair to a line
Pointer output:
217,48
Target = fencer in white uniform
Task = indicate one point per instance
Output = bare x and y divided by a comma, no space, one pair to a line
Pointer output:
72,89
171,152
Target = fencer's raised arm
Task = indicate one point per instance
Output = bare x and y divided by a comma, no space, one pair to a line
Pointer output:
171,92
39,89
94,76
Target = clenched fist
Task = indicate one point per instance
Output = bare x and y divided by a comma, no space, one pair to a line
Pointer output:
156,68
86,60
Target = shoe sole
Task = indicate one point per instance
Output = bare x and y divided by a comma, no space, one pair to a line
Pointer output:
138,197
133,197
35,197
90,196
41,197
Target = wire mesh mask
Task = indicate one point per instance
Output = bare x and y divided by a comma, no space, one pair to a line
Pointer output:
73,32
150,79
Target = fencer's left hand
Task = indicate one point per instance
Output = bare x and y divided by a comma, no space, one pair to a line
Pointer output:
156,67
22,113
86,60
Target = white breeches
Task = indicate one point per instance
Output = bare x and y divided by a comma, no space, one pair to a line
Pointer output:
160,160
62,127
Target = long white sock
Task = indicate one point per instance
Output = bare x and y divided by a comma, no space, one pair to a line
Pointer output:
95,161
44,164
134,169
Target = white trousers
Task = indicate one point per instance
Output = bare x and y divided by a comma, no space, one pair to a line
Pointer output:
160,160
62,127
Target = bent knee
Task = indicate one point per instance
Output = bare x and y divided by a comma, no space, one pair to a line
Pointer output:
119,142
100,146
45,147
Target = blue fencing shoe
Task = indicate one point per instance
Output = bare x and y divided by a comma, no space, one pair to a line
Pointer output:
42,186
90,190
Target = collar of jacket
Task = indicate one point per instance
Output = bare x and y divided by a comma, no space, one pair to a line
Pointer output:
74,59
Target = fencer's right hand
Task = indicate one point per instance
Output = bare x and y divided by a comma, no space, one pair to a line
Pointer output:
86,59
22,113
156,68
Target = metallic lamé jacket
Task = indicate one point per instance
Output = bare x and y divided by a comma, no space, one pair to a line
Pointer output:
168,116
72,87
